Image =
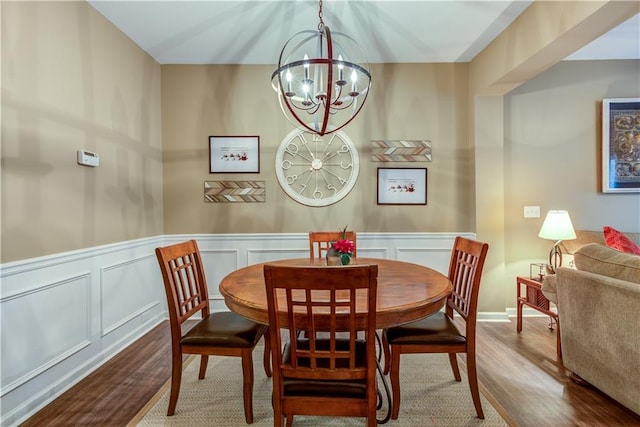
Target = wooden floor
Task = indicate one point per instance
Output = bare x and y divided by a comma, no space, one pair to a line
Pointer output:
520,371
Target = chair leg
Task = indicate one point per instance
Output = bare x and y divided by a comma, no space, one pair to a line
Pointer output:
267,354
289,420
278,420
387,353
453,361
204,360
176,378
395,381
472,373
247,383
372,420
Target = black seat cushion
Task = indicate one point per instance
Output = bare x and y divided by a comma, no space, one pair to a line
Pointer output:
318,388
335,388
224,329
435,329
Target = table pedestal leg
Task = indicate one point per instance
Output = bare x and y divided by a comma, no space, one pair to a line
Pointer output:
385,385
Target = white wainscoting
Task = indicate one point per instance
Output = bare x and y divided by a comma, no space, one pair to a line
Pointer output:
64,315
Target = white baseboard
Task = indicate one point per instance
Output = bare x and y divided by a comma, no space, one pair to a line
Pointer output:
527,312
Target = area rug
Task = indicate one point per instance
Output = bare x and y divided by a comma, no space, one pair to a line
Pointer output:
430,397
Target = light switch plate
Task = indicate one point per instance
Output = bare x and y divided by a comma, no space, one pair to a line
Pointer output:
532,211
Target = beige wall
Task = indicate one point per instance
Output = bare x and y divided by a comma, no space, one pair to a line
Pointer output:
71,81
552,153
544,34
408,101
78,83
539,146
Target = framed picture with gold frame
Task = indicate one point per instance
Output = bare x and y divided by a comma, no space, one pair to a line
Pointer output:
621,145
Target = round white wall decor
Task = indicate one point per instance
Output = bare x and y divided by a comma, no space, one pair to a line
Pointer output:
317,170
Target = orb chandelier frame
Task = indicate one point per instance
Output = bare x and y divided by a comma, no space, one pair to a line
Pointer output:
313,91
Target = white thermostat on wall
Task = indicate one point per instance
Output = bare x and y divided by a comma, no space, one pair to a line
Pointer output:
88,158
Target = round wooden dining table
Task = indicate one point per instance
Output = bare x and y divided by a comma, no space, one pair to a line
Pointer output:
406,291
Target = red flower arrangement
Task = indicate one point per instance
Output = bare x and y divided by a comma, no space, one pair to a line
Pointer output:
344,246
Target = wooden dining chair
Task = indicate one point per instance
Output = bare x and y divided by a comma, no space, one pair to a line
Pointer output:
438,332
332,370
221,334
320,242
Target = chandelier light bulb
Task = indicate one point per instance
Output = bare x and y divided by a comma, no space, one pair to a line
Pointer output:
306,66
307,96
289,93
354,85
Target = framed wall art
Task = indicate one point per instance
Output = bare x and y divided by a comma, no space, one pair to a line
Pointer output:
621,145
234,192
402,186
234,154
401,150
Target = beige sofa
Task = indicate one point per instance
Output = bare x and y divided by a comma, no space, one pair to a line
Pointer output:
599,308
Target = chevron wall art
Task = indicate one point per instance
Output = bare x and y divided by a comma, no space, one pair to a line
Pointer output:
401,150
234,192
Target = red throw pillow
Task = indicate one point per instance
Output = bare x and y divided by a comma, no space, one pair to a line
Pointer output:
618,241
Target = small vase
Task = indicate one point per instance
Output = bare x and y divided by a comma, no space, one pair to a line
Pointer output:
333,260
333,257
345,259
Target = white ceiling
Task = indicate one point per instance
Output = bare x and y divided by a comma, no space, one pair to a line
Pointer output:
253,32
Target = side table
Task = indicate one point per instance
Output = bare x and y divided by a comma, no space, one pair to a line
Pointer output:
534,298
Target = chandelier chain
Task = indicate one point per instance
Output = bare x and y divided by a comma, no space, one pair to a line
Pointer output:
321,24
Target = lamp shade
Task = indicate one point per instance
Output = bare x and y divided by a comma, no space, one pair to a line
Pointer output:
557,226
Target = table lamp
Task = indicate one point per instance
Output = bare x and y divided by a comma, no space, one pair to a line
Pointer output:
557,226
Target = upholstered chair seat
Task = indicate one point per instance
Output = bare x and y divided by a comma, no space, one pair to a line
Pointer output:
225,329
331,388
436,329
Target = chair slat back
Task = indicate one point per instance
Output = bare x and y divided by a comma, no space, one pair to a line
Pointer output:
331,304
320,242
184,280
465,271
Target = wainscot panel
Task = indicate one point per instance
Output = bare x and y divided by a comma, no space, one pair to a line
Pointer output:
33,341
66,314
126,291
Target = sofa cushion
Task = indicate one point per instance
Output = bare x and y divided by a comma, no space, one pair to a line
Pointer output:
601,259
584,237
617,240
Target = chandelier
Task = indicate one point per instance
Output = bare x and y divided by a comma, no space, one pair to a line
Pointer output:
322,79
